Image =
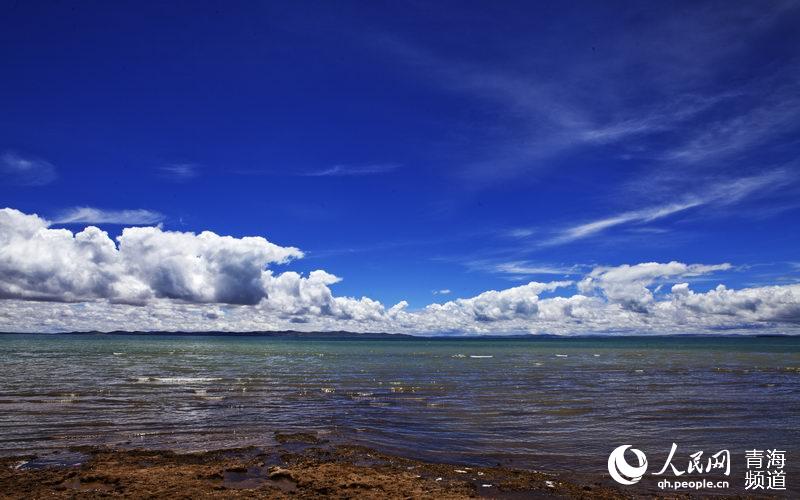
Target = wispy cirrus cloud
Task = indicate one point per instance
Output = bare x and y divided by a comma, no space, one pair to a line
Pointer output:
634,216
768,117
519,268
519,233
353,170
179,172
527,268
26,171
673,108
717,194
90,215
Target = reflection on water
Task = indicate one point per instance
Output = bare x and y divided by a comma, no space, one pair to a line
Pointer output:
543,404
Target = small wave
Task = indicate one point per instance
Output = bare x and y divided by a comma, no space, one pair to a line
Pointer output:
562,355
176,380
458,356
118,353
360,394
402,389
479,356
566,412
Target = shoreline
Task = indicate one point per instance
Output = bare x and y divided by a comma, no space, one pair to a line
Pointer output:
300,466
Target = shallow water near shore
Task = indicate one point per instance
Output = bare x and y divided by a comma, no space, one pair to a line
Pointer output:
545,404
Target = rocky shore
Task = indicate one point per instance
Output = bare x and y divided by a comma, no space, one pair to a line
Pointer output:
301,466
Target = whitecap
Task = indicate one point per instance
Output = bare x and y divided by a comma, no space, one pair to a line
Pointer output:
177,380
479,356
562,355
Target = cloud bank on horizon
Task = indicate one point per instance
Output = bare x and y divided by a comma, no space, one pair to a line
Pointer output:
52,279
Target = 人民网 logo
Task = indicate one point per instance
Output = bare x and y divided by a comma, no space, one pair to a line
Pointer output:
621,470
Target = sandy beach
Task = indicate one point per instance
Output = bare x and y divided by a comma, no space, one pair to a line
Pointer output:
301,466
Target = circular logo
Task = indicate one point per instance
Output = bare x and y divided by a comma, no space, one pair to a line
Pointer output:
621,470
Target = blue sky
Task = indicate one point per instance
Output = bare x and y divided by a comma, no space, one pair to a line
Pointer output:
414,147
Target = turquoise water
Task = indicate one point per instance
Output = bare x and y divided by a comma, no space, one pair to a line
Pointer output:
548,404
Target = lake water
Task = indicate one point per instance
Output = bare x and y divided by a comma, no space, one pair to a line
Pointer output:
545,404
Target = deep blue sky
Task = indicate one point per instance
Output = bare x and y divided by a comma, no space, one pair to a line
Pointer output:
412,146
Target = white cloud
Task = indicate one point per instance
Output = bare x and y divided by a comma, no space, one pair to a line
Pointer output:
776,114
201,267
290,295
22,171
443,291
718,194
37,262
628,285
151,279
520,232
354,170
542,109
523,268
89,215
644,215
179,171
512,303
768,303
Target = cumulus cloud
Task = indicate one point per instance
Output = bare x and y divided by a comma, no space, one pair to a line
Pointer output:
628,285
201,267
292,296
26,171
512,303
768,303
40,263
153,279
89,215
